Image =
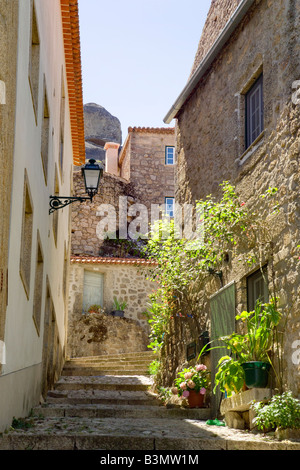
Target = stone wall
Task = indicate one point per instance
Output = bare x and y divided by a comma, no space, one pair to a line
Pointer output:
100,334
124,279
86,216
218,15
210,148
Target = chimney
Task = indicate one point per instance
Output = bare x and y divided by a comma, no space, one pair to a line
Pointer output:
112,158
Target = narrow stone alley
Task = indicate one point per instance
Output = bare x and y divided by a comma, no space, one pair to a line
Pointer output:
106,404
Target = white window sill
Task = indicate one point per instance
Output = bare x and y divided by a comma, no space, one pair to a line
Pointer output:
252,148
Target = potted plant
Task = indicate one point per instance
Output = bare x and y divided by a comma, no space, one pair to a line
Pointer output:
252,349
230,376
119,307
192,383
94,308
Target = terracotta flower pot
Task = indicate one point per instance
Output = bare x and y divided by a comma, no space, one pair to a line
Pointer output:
195,399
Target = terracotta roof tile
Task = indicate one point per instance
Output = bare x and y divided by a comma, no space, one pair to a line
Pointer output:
70,22
110,260
153,130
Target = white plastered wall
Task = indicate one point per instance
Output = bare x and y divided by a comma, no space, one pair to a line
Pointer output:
21,374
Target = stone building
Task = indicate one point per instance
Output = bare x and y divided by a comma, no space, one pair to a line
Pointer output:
237,120
42,136
147,160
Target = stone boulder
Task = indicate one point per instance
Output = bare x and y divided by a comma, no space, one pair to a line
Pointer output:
99,127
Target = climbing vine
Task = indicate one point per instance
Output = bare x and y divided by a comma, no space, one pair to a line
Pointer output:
184,265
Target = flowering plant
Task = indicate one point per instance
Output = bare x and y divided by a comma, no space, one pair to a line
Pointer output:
194,378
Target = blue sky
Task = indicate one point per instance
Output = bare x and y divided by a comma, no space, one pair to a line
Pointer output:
137,55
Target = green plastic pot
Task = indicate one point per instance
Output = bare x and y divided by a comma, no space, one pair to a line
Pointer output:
256,374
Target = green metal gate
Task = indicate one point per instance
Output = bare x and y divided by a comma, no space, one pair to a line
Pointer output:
222,310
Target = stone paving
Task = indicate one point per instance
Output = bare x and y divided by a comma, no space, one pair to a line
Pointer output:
120,413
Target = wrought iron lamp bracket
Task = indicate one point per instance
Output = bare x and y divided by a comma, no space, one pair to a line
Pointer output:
59,202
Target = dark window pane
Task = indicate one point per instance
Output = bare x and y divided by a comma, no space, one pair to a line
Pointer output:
254,112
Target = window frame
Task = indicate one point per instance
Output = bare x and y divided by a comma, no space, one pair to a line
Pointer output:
167,156
173,199
257,86
256,276
89,283
26,237
38,285
34,59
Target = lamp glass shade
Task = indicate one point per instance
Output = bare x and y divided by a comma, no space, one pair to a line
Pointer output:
91,172
91,179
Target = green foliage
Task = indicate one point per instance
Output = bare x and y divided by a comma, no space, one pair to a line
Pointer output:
283,411
22,423
158,317
119,304
154,367
256,343
183,264
180,264
222,221
230,376
164,393
94,308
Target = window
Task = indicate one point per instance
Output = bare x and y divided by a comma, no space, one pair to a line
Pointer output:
45,135
169,202
38,287
26,238
55,214
92,290
170,155
34,60
62,125
254,111
257,288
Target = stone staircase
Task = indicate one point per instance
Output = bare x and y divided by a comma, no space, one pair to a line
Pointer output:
106,404
103,403
118,364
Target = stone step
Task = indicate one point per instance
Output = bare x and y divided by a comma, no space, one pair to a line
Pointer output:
80,433
107,365
119,411
137,383
108,362
94,371
129,364
108,397
147,355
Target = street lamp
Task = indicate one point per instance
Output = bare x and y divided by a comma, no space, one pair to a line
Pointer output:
92,173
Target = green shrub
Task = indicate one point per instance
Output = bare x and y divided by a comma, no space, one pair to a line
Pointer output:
282,411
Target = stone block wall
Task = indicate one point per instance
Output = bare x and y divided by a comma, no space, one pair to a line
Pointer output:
86,216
